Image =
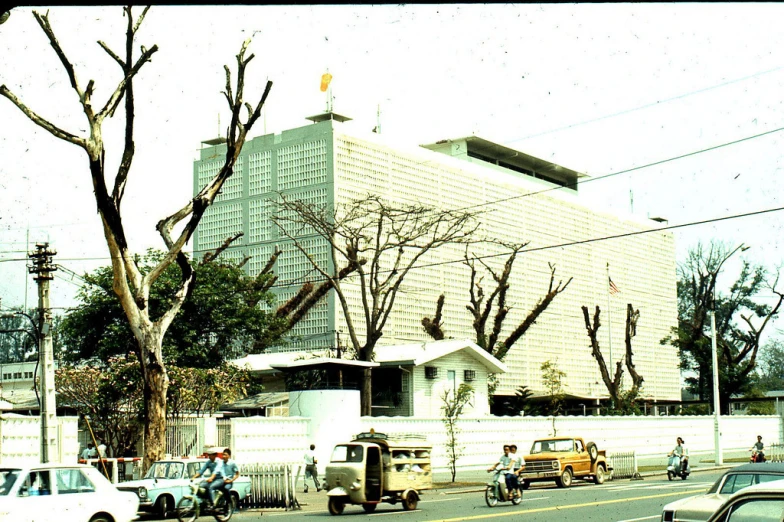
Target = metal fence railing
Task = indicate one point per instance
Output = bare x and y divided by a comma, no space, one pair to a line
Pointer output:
223,432
272,486
623,464
775,453
183,437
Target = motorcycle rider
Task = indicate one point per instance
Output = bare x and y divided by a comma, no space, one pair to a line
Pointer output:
230,470
505,461
518,465
758,455
215,479
681,453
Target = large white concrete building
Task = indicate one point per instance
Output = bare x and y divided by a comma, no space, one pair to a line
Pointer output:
522,198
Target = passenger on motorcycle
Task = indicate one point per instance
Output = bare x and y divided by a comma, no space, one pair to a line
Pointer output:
681,453
518,464
230,470
505,463
758,455
215,479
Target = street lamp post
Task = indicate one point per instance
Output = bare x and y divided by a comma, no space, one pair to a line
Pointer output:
716,401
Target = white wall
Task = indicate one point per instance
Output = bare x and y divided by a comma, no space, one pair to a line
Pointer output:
482,438
20,440
428,393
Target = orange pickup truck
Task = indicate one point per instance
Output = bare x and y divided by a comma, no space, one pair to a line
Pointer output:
563,458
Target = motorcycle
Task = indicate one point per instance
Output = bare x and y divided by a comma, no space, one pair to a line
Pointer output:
674,468
757,456
496,491
190,507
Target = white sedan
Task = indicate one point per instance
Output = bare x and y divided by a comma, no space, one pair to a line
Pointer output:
47,492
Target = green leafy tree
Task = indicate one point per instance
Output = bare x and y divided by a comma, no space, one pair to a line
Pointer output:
770,368
452,409
740,321
227,313
552,378
520,402
110,394
758,407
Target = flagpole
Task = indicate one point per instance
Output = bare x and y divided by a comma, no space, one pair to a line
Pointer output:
609,322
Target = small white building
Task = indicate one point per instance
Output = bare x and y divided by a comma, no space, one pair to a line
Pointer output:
407,380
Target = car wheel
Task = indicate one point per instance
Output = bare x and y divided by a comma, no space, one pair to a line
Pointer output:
593,451
410,501
599,477
186,510
164,506
336,505
490,497
235,502
100,518
565,480
526,484
369,508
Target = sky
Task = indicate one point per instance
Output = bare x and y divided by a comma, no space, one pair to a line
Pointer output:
682,101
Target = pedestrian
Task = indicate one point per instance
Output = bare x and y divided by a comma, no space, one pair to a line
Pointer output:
87,452
310,468
101,450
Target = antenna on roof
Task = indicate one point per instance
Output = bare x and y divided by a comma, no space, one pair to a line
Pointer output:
377,128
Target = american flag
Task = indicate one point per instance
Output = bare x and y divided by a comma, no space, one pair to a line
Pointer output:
613,289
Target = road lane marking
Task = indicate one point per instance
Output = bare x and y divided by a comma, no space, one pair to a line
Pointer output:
638,519
517,513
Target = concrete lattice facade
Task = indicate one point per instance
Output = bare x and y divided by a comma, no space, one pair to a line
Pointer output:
322,163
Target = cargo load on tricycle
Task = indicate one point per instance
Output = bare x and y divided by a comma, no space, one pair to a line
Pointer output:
375,468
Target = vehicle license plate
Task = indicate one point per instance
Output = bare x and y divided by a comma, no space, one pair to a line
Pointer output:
551,474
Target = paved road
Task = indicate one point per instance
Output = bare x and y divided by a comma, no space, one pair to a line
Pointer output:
614,501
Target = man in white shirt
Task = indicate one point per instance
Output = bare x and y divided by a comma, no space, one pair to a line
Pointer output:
310,468
101,450
87,453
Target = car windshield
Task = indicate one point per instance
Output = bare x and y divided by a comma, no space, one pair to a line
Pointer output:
165,470
547,446
347,453
7,479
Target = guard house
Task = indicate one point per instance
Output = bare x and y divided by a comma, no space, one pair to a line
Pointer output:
407,380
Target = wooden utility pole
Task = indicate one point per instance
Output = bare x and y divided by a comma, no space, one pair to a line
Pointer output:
42,268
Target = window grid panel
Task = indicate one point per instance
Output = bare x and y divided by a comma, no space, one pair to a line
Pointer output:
260,172
302,164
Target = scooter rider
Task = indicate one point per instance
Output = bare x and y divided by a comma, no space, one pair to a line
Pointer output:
681,453
230,471
518,465
757,450
505,461
215,479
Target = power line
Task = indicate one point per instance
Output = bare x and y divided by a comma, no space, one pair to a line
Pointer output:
652,104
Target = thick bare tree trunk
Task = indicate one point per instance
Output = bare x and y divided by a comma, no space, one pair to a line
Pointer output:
366,394
156,384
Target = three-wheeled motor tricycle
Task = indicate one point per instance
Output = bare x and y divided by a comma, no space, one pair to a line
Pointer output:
374,468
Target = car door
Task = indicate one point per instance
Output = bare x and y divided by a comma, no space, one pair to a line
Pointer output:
76,494
35,493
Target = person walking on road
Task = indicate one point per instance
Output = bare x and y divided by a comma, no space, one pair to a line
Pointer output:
310,468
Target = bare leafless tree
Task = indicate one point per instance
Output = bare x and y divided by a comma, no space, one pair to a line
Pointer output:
382,242
131,285
614,383
484,306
